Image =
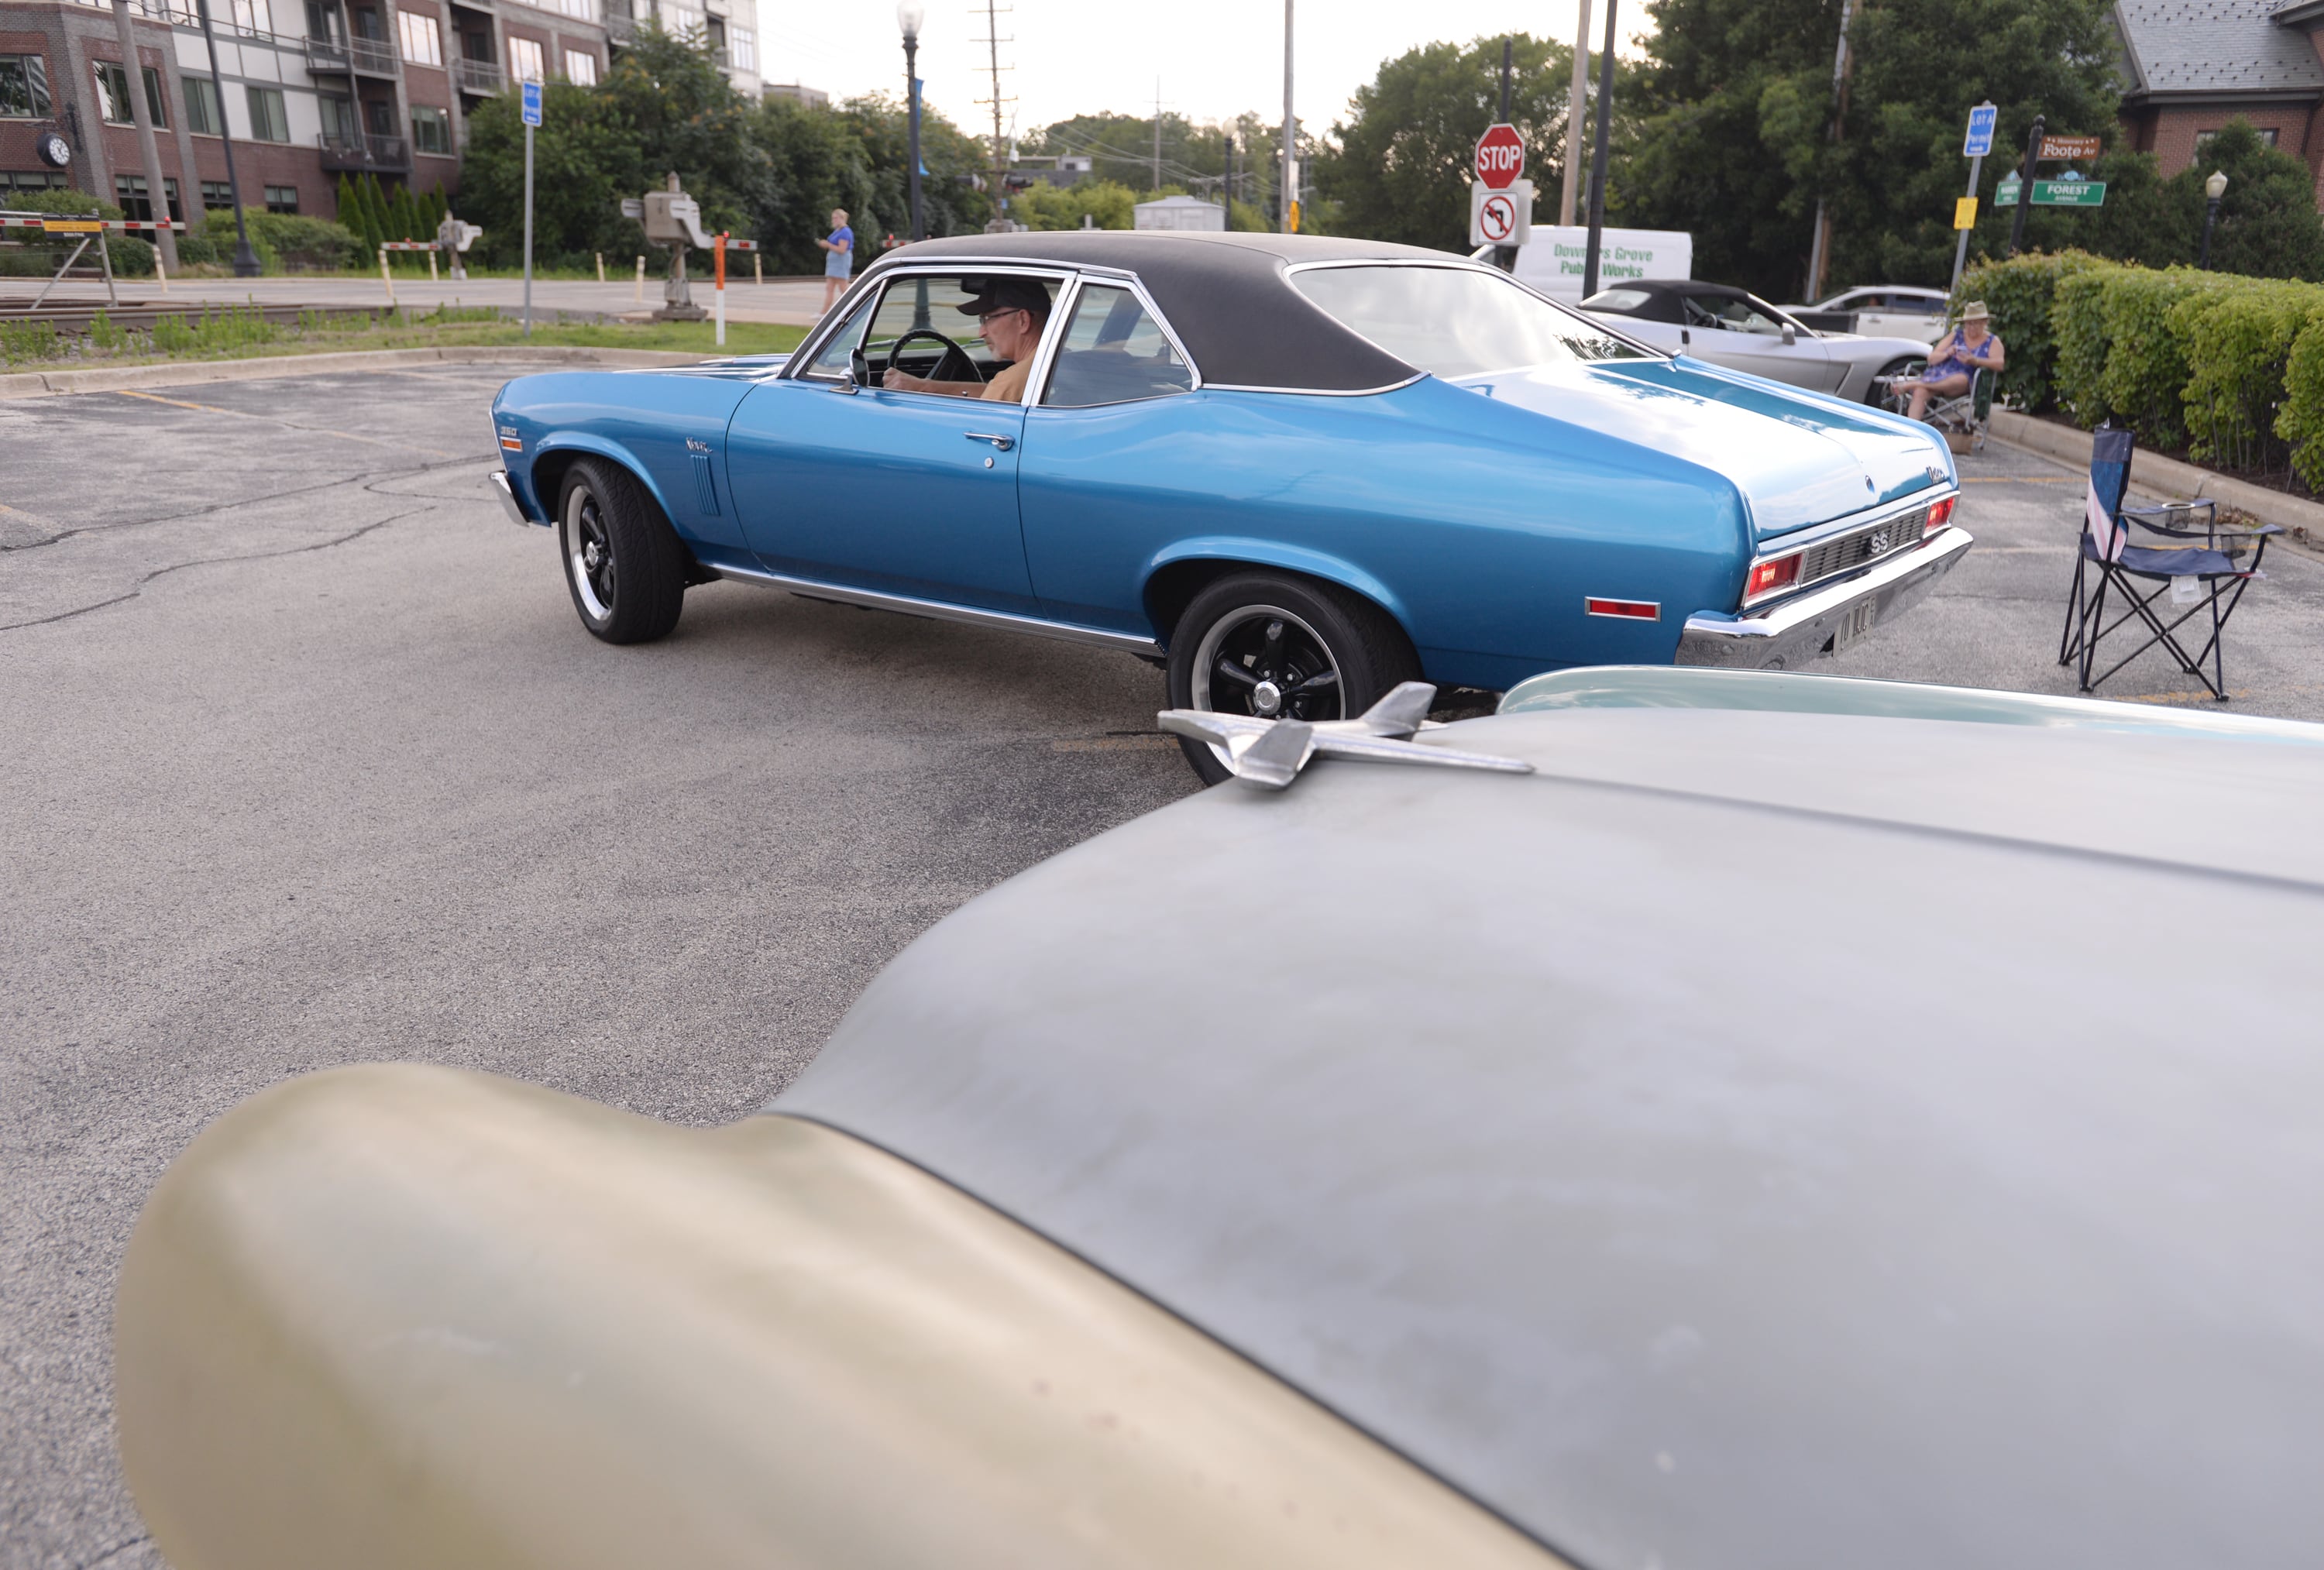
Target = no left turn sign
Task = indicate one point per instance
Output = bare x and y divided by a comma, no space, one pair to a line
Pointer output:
1498,219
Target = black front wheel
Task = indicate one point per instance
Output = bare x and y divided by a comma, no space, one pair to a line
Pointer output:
622,562
1281,647
1886,388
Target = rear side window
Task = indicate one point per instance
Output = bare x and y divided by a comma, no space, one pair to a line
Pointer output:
1115,352
1456,321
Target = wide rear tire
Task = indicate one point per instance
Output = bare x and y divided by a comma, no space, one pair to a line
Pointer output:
624,563
1281,646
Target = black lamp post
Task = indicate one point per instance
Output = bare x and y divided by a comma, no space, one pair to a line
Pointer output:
910,14
2215,188
245,260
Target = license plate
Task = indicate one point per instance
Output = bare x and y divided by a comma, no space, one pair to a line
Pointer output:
1855,624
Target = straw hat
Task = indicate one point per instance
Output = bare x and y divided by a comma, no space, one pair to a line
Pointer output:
1974,311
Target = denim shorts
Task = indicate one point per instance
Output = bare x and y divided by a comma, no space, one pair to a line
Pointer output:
838,263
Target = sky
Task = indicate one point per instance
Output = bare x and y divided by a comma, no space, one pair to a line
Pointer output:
1211,58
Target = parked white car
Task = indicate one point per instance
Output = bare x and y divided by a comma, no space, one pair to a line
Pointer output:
1880,310
1733,327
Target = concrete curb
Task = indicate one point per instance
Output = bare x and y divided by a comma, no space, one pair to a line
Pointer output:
188,373
2166,477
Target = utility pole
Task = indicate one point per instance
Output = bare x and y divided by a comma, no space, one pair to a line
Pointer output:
1289,197
1157,136
157,184
1597,157
994,40
1577,112
1505,257
1227,179
245,260
1820,246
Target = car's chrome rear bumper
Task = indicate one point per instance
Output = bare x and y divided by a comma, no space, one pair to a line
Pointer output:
1788,635
508,498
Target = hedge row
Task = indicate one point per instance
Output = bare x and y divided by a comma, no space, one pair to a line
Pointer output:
2230,368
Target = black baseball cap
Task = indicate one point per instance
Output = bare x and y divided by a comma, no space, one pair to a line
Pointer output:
987,295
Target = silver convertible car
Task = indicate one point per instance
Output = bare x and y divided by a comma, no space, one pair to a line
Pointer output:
1737,329
1760,1121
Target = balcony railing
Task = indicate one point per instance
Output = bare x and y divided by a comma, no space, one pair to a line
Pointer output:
480,76
369,56
365,153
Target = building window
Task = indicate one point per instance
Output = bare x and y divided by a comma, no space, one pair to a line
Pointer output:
745,43
2266,133
338,111
323,21
135,198
202,114
580,67
524,60
23,88
112,93
423,43
36,179
216,193
267,120
283,200
587,10
431,130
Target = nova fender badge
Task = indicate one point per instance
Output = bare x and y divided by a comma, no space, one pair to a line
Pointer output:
1268,754
693,446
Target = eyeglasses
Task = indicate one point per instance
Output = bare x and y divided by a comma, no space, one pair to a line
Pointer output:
1008,311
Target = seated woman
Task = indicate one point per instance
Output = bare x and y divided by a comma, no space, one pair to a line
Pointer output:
1954,361
1010,313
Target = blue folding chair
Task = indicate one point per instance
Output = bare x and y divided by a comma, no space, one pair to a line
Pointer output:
2207,577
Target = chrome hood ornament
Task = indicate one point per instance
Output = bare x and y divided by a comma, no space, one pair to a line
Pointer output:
1268,754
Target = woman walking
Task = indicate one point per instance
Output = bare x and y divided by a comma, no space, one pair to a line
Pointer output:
840,264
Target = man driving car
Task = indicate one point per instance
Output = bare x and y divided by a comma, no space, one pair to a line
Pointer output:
1010,313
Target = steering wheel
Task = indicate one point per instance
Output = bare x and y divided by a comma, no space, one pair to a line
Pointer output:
953,354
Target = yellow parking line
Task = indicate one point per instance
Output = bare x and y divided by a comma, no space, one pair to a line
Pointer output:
318,430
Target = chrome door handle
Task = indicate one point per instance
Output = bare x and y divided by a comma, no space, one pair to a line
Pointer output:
1000,443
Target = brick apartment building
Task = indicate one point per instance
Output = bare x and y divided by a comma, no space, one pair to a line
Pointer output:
313,89
2190,66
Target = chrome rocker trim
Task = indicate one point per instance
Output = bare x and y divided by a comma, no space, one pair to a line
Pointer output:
937,610
509,503
1789,634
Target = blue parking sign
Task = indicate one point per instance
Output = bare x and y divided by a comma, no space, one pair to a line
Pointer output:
1980,132
533,108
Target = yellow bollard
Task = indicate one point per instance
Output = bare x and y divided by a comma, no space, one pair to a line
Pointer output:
757,272
641,279
385,278
431,264
601,265
159,272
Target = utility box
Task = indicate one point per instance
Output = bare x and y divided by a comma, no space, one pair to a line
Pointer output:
1182,213
674,218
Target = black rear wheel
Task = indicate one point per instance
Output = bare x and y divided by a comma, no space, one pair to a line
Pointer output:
624,564
1278,646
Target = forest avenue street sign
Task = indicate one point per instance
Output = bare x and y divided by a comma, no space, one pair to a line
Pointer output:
2054,193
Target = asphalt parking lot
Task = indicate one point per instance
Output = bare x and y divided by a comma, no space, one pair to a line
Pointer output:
308,761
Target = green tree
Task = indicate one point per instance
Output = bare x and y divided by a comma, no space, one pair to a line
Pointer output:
1108,204
1400,167
663,108
1728,126
2267,225
950,201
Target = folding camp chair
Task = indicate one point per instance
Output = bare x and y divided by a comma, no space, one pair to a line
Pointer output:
1964,418
2207,577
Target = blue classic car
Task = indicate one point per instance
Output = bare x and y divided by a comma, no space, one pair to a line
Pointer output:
1295,470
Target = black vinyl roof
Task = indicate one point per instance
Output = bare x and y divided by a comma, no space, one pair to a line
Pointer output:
1226,296
1664,294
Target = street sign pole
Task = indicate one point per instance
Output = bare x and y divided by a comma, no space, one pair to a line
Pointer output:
1976,144
531,122
2025,186
1598,158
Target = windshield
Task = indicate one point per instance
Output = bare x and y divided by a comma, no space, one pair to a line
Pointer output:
1456,321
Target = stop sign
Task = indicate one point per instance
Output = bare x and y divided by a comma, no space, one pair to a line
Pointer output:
1501,157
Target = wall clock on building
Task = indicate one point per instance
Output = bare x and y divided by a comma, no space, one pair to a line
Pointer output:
54,150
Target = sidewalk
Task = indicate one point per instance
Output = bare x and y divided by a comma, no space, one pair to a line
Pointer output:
792,302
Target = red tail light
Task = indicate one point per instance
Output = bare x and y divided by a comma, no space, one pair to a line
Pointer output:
1767,576
1633,609
1941,513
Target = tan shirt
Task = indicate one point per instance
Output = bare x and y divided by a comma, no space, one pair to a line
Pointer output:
1008,387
